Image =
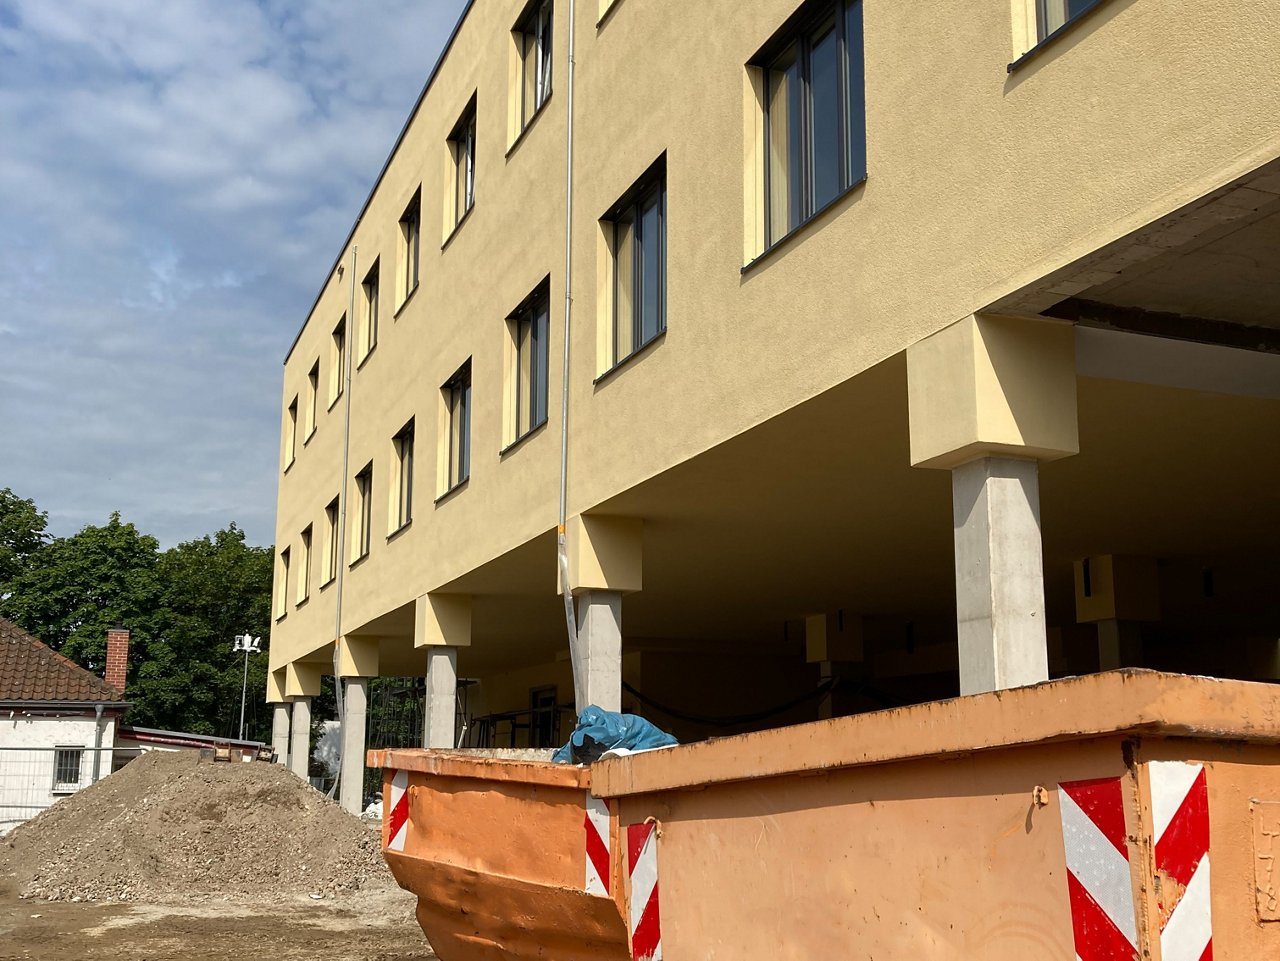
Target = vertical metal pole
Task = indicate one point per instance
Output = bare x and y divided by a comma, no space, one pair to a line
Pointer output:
244,690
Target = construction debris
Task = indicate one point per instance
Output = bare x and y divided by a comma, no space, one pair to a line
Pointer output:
173,828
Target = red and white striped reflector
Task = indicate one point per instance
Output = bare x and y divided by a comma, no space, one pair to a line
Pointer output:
398,819
642,866
596,823
1103,920
1180,815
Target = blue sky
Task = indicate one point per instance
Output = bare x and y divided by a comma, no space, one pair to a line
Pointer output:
176,177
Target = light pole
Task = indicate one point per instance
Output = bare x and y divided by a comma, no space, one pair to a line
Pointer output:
249,645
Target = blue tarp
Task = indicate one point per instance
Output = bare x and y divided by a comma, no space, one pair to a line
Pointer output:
599,730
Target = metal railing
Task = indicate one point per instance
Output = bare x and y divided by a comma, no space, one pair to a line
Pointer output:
33,779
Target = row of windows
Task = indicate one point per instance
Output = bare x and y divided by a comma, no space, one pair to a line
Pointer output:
813,107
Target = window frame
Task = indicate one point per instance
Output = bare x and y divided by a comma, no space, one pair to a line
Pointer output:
629,210
536,30
363,542
1044,31
313,401
370,294
282,594
302,591
410,249
291,433
333,542
456,436
462,148
798,33
62,752
403,449
526,316
338,359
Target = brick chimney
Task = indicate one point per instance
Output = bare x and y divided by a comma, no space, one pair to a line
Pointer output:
117,657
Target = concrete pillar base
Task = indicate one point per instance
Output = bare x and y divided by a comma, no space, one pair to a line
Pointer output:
441,708
280,732
300,737
598,658
999,574
351,777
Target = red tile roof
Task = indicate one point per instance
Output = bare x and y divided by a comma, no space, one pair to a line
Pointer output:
30,671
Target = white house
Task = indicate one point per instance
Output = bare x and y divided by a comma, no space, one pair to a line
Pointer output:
57,722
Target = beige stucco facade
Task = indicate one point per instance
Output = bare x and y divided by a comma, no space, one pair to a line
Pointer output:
1072,262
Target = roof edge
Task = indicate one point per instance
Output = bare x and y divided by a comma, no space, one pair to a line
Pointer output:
444,52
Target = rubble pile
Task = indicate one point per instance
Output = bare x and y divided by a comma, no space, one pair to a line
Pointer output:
172,827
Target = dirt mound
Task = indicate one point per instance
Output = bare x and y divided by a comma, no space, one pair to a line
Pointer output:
169,827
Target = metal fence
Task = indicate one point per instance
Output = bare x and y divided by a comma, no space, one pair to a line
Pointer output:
35,778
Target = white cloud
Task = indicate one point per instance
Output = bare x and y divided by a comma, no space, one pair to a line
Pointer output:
180,174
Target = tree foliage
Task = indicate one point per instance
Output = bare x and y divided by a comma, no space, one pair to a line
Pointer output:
183,606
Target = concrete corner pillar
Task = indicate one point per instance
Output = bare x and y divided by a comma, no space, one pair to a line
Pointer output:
351,776
999,574
441,709
300,737
597,661
442,624
280,732
990,398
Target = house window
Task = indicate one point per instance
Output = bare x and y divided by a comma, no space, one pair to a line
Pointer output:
1052,15
364,517
313,389
456,446
282,586
814,106
527,372
410,247
544,720
332,527
369,325
291,433
304,568
637,232
337,361
462,149
66,769
534,37
402,447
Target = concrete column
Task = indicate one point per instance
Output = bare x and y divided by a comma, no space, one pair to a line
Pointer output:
280,732
300,737
441,708
999,574
351,777
597,665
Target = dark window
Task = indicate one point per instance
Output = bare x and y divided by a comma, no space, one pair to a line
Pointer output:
815,127
403,443
462,143
369,333
332,528
304,575
535,59
338,360
410,238
291,432
1053,14
640,264
529,331
282,591
66,768
364,495
457,393
313,390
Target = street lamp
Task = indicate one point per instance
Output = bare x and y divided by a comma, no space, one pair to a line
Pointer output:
249,645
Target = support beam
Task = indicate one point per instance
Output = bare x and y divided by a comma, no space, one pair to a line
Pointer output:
999,574
441,708
597,668
351,777
300,737
280,732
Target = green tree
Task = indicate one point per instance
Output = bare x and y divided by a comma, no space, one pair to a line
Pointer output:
71,590
22,533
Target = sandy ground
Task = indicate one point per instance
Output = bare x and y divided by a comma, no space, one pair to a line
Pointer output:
358,928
